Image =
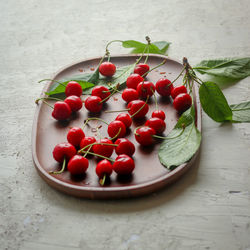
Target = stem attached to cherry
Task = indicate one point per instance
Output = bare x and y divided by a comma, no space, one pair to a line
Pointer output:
62,169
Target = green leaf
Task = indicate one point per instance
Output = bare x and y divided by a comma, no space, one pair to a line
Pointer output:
183,145
241,112
214,102
232,68
159,47
58,89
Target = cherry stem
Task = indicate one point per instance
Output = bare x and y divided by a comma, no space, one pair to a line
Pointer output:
93,118
102,181
52,81
140,107
178,75
157,66
114,111
95,143
136,129
48,98
111,139
37,100
155,98
113,92
101,156
170,138
62,169
146,59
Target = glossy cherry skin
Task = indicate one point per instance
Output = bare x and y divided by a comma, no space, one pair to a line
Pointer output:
73,88
104,150
125,146
135,105
144,136
75,135
63,150
93,104
159,114
178,90
141,69
125,118
74,102
123,165
61,111
77,165
116,129
133,80
163,87
101,91
104,167
129,95
87,141
157,124
107,69
145,89
182,102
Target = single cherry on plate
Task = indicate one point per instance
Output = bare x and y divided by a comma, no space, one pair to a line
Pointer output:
73,88
74,102
136,105
87,141
77,165
61,111
163,87
178,90
101,91
107,69
144,135
63,151
123,165
157,124
133,80
141,69
159,114
93,104
103,148
125,118
130,94
125,146
182,102
116,129
75,135
104,168
145,89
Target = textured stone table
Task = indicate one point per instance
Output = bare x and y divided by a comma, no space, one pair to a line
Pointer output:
209,208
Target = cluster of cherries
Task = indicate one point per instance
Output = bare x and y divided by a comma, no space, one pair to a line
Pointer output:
136,94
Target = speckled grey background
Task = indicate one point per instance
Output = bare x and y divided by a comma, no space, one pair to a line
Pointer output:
202,210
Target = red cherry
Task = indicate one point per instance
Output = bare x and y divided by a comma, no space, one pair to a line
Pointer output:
145,89
101,91
178,90
74,102
93,104
104,167
87,141
107,69
61,111
135,105
144,136
73,88
125,146
104,150
125,118
77,165
133,80
63,150
129,95
141,69
159,114
123,165
114,127
75,135
157,124
164,87
182,102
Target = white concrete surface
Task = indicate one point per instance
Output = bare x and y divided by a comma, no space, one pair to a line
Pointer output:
209,208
